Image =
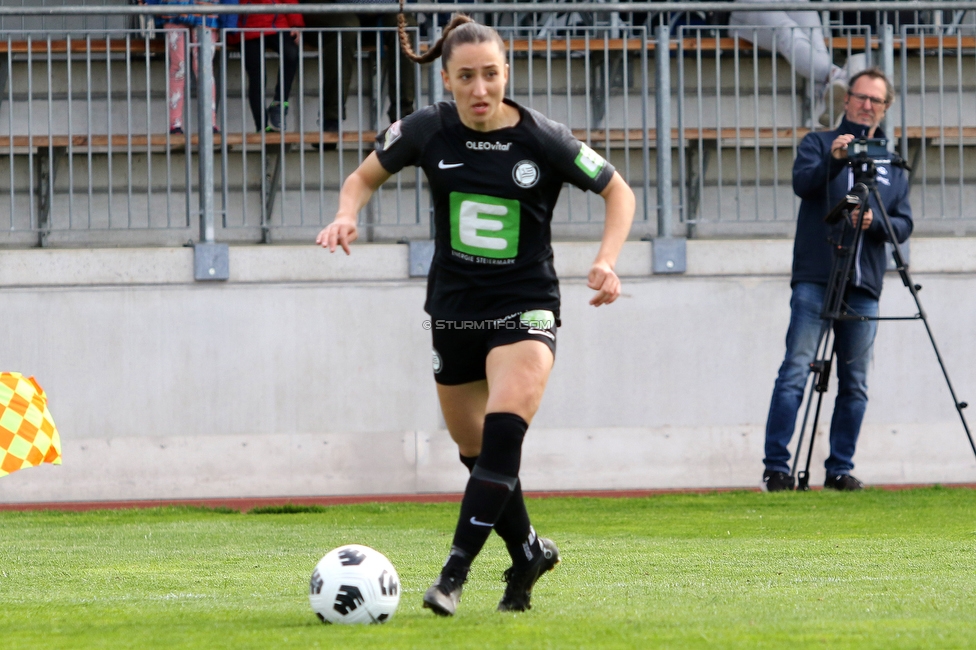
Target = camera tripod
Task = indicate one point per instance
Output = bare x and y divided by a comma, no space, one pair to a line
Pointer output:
835,309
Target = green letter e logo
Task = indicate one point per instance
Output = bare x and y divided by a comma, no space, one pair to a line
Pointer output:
485,226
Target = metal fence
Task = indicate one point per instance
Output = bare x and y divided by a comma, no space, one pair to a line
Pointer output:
99,148
742,113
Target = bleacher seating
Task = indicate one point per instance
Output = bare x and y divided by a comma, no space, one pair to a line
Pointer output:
137,126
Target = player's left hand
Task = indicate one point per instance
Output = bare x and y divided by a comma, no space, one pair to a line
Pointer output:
340,232
605,282
868,218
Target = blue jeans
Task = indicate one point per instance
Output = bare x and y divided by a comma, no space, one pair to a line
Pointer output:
853,343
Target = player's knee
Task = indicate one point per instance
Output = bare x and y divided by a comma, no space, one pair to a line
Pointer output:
522,401
501,449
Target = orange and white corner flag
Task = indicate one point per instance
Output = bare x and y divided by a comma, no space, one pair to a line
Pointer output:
28,436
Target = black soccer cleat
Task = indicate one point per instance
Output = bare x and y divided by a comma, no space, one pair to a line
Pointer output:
518,592
777,481
843,482
444,595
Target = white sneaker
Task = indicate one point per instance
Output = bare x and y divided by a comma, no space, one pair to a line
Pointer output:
855,63
833,97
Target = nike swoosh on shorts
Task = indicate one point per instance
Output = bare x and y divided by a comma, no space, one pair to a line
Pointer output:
480,523
444,165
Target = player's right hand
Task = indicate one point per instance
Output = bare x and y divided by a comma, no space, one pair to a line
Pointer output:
838,148
605,282
338,233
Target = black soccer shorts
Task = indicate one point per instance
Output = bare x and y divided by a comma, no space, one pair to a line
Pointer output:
461,347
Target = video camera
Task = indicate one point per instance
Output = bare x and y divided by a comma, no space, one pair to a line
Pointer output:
864,155
874,148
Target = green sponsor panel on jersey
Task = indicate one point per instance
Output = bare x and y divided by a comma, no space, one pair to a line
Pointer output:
485,226
590,161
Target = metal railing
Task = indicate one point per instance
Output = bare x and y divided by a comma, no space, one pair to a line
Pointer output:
701,123
742,113
939,101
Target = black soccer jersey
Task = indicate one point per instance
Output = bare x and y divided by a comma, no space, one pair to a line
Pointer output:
494,193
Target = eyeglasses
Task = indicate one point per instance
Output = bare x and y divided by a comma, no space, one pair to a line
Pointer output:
864,99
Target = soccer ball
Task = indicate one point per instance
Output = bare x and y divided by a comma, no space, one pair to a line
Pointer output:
354,584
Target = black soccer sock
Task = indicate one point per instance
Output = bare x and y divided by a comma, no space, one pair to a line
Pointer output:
468,461
493,480
514,527
457,565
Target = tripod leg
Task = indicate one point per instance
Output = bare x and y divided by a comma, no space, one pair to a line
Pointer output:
945,373
821,376
803,477
913,288
803,426
833,307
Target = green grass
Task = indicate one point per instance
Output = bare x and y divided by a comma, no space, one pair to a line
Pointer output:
826,570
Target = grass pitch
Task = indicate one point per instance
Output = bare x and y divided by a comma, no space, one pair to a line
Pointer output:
873,569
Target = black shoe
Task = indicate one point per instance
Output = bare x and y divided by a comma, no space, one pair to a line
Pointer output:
444,595
518,593
276,116
843,482
777,481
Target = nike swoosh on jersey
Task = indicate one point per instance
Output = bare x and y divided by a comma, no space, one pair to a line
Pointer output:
480,523
444,165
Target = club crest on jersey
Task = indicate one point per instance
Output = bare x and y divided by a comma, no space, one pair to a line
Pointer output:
525,174
392,135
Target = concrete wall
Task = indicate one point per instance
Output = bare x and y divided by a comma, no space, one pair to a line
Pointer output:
309,374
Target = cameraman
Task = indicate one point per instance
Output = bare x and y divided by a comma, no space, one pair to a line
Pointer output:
821,178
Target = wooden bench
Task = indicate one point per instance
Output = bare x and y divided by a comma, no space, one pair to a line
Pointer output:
156,47
138,45
120,142
764,136
83,46
61,144
726,44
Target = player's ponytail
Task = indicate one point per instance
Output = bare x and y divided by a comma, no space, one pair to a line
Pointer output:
462,29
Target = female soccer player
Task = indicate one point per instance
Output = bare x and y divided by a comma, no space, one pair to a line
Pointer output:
495,170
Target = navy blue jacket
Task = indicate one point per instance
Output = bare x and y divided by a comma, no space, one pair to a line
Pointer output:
822,181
